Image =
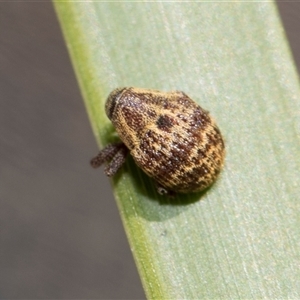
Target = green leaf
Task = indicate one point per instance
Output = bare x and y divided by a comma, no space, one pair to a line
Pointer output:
241,238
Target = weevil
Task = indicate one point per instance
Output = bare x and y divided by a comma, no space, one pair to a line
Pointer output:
170,137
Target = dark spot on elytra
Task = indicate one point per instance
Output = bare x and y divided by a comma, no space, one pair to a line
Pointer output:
165,122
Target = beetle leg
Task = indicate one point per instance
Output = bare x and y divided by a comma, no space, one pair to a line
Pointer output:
106,154
117,161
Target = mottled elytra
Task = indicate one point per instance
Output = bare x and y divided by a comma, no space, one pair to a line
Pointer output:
170,137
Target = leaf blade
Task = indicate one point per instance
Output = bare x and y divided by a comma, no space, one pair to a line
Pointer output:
237,242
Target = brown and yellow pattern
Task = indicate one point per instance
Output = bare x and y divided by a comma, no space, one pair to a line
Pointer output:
171,138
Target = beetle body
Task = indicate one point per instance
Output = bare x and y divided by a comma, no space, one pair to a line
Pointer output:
170,137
